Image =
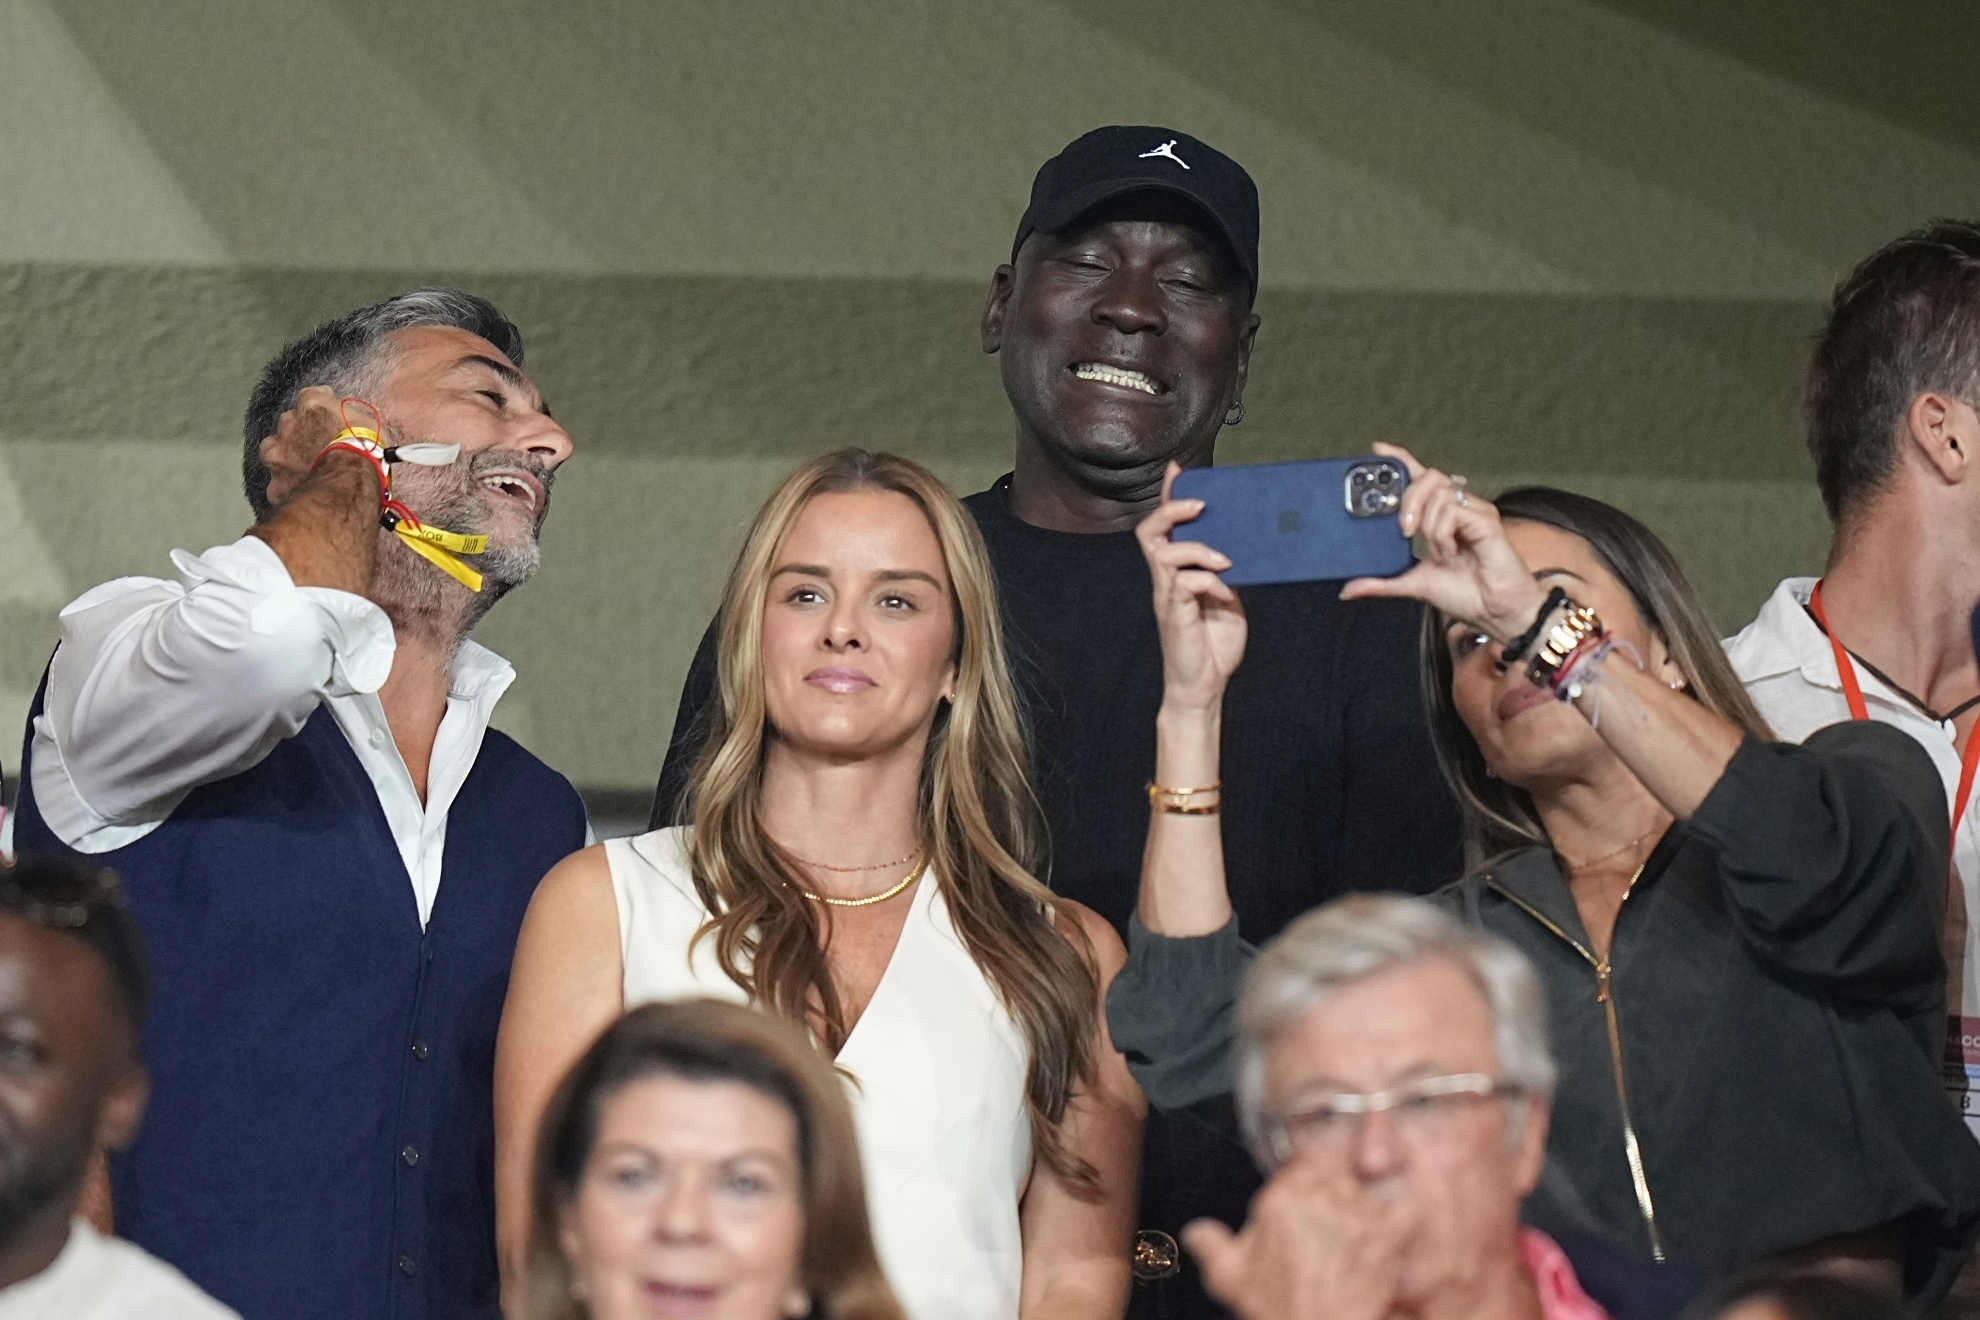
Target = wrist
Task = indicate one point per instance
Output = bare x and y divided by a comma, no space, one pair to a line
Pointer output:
1183,713
1188,746
1527,616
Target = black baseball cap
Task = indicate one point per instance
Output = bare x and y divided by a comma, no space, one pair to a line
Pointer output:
1124,158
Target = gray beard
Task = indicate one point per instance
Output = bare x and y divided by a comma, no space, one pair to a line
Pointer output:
408,586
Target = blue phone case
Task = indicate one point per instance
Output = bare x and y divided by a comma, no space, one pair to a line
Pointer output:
1291,522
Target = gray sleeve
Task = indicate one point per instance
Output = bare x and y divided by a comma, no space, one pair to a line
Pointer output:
1172,1011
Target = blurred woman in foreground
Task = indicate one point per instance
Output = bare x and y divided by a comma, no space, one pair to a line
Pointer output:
1738,937
700,1160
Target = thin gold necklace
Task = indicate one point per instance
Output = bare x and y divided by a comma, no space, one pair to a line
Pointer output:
1597,861
868,901
871,866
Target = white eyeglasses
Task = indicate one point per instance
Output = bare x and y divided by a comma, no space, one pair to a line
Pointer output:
1423,1112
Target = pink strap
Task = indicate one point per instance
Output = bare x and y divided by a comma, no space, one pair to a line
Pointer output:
1561,1297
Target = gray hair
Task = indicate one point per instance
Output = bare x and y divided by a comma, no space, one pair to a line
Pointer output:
1364,935
349,354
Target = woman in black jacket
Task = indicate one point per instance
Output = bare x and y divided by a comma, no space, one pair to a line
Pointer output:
1739,937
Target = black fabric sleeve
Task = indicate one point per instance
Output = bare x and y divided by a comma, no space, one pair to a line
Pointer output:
1399,823
1172,1011
1833,855
698,696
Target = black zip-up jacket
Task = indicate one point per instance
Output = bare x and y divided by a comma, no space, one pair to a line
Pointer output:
1779,1018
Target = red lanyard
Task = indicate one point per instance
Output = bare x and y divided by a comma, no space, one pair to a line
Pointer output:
1853,692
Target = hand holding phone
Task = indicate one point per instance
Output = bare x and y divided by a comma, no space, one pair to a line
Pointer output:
1469,569
1199,617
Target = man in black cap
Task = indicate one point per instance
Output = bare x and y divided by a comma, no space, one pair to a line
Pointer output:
1123,325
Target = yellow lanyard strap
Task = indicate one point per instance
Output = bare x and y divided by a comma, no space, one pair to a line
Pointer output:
432,544
458,542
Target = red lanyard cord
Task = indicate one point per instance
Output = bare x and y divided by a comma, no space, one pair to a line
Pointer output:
1969,762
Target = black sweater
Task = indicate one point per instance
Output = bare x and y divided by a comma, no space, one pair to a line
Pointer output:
1780,994
1330,783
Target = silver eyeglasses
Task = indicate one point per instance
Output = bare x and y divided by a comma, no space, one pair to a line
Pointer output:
1422,1112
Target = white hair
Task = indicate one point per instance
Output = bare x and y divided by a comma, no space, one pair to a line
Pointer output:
1364,935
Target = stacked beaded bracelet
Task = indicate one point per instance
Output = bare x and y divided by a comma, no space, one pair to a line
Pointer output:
1566,642
1581,665
1517,648
1181,802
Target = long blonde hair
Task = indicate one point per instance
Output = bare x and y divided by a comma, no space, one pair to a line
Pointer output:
704,1040
980,819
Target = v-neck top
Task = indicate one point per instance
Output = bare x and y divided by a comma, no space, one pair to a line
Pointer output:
935,1070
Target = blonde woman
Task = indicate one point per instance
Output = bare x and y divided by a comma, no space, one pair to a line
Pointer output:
700,1160
859,855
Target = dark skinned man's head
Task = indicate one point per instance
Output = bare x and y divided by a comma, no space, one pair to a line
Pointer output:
72,1000
1124,321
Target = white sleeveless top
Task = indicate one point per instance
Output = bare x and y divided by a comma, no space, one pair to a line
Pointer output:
939,1094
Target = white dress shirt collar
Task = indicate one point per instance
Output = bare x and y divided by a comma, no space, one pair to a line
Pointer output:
161,686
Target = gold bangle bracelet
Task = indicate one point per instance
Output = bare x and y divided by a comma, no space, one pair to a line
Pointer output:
1177,800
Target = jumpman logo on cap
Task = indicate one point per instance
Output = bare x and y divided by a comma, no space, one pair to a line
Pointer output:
1166,149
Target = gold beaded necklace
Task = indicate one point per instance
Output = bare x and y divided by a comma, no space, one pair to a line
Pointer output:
906,880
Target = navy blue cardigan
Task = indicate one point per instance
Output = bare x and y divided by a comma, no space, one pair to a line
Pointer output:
320,1141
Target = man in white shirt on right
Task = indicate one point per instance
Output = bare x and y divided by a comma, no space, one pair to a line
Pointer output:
1893,406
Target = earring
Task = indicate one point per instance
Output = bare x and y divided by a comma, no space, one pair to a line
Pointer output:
798,1304
1234,414
1677,685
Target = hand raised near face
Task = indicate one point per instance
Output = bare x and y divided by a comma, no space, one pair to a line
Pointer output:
1200,618
1469,569
1316,1247
300,438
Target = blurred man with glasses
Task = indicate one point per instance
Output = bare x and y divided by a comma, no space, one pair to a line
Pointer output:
1394,1081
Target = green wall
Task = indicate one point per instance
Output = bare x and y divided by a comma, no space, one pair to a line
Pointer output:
1541,238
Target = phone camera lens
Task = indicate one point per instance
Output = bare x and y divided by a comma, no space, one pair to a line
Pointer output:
1373,490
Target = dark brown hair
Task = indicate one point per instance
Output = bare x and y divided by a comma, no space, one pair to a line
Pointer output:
1903,323
980,819
707,1040
1500,818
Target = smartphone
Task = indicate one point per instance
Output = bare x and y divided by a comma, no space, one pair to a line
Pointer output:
1300,522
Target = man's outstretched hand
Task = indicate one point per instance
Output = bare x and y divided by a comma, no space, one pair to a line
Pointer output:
1317,1247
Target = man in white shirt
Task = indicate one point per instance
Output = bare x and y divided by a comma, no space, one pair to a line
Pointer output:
72,999
1893,404
286,754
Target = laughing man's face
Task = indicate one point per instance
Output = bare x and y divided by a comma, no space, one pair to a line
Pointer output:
1123,340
